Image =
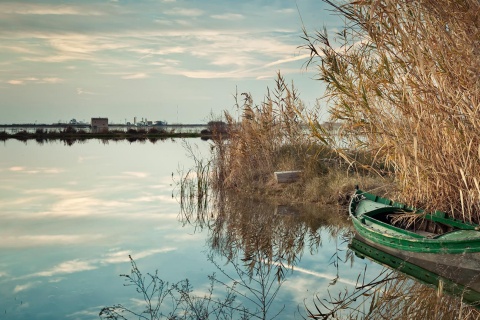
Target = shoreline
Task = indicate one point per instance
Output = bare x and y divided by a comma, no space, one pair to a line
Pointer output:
111,135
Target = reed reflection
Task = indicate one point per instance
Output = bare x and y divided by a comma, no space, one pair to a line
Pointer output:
405,289
261,241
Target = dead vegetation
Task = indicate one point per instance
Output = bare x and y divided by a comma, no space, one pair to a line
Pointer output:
402,81
273,137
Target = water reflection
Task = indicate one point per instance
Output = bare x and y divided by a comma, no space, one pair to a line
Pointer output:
71,216
405,289
255,247
70,141
459,281
263,242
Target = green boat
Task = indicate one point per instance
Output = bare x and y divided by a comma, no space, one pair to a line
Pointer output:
431,233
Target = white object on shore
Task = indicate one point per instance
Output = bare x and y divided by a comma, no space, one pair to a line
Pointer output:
287,176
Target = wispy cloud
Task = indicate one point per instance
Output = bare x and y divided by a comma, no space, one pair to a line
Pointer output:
136,76
122,256
302,57
81,91
136,174
101,43
15,82
26,286
79,265
67,267
286,10
91,313
28,241
46,9
186,12
35,170
51,80
170,49
324,275
17,168
24,81
228,16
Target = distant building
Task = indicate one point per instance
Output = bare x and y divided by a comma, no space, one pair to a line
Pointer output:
99,124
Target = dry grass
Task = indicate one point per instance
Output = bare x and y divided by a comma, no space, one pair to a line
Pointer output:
404,82
266,138
273,137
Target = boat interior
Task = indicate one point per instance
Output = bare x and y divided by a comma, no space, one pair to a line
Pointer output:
418,224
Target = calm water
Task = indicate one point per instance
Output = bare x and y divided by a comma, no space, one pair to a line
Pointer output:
71,215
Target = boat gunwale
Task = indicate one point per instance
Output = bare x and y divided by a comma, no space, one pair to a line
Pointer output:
404,239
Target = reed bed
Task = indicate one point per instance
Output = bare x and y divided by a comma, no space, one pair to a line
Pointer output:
268,137
403,81
273,137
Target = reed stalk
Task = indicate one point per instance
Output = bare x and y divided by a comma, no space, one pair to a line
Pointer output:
402,80
270,137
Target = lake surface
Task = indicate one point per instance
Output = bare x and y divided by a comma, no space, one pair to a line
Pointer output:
70,216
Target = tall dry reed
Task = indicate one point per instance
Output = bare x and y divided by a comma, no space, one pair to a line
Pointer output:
268,137
403,80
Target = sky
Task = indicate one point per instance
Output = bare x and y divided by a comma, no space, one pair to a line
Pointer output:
180,61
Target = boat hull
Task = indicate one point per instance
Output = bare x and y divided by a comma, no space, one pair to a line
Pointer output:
365,209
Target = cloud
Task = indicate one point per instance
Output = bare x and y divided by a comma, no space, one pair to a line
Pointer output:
23,81
67,267
17,168
83,44
286,60
136,76
136,174
193,42
186,12
82,159
91,313
30,241
192,51
152,198
228,16
148,52
286,10
84,206
324,276
78,265
51,80
26,286
16,82
122,256
18,49
36,170
81,91
45,9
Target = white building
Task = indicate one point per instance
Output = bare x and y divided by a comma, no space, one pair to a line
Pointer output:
99,124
